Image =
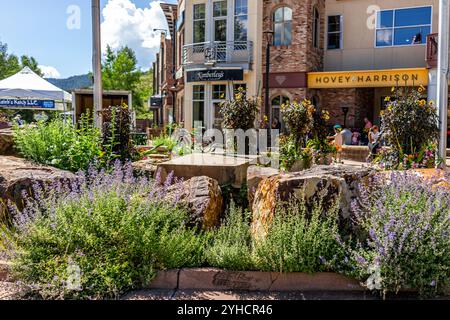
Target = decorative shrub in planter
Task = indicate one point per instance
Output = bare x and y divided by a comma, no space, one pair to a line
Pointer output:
303,120
410,129
239,113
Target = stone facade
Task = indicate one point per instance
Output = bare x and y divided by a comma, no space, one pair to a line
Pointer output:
359,102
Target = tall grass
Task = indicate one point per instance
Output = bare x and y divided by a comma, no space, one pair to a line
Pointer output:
300,241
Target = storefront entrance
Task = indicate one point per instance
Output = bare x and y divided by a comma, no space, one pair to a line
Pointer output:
207,102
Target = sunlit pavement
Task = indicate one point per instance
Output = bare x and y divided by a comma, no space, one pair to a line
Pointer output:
268,296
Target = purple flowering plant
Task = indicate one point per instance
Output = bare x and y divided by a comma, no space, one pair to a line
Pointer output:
100,235
406,221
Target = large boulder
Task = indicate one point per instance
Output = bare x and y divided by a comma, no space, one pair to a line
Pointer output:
17,176
7,142
203,197
329,183
256,174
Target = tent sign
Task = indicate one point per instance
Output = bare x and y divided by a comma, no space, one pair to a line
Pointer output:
27,103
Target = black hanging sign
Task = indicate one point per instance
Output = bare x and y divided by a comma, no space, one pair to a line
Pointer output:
215,75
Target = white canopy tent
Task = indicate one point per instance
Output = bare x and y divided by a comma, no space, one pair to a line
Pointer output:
28,85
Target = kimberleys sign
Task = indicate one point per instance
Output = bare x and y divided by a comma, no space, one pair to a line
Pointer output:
215,75
27,104
368,79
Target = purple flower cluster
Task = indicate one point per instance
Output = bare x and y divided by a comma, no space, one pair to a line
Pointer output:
43,199
407,221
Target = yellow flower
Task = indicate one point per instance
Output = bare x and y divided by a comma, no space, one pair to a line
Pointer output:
392,89
387,99
421,88
422,103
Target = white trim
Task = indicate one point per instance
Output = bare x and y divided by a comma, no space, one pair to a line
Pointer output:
403,27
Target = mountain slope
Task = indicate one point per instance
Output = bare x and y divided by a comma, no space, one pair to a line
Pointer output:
72,83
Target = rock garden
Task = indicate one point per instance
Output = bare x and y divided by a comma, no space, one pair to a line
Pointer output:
86,214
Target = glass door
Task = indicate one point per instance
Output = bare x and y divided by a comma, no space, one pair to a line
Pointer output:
219,95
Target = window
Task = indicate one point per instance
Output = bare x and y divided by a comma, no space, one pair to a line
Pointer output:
402,27
334,40
219,95
199,23
198,105
282,26
240,20
316,28
277,102
220,20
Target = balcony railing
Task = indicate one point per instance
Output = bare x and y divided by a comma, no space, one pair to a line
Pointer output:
212,53
432,50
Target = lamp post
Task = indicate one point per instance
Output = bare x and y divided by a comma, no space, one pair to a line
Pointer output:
443,73
269,41
345,110
97,63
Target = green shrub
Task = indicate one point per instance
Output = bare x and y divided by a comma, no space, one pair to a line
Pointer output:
300,241
59,144
231,243
410,125
109,234
165,141
240,112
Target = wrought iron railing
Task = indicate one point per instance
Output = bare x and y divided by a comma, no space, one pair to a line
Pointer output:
211,53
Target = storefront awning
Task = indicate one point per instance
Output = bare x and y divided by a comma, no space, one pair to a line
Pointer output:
368,79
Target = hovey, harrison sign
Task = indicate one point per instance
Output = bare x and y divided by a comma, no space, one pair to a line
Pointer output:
215,75
27,103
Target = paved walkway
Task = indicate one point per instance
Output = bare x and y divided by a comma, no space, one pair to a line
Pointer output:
148,295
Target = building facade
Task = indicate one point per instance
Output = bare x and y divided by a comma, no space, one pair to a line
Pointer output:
221,53
343,55
370,47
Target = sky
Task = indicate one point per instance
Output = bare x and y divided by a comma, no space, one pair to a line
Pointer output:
58,32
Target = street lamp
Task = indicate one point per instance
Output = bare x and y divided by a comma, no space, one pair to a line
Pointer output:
443,73
345,110
269,41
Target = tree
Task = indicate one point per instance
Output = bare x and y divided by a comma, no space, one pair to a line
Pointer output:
120,72
144,90
10,64
31,63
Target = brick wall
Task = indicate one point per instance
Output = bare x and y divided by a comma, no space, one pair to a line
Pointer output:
300,56
359,102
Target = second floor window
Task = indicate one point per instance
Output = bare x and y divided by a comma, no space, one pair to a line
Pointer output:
240,20
282,18
220,20
199,23
334,37
402,27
